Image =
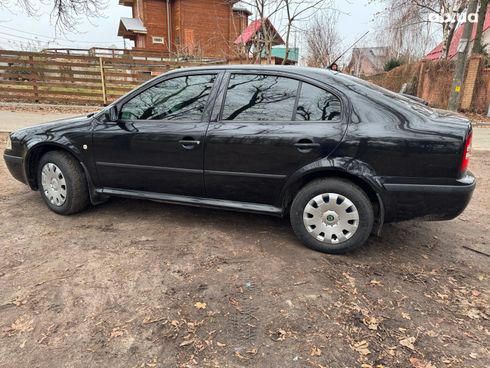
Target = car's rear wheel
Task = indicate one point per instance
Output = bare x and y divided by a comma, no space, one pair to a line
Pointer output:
332,216
62,183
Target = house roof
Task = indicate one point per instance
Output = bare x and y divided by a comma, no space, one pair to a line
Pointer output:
128,26
254,28
436,53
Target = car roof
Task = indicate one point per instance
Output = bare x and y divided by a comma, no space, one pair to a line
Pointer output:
307,71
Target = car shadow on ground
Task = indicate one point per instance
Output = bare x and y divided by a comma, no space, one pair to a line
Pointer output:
274,233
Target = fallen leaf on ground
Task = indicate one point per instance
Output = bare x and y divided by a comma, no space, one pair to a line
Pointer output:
371,323
238,355
20,325
408,342
220,344
419,363
406,316
362,347
314,351
352,281
116,332
186,343
473,313
200,305
280,334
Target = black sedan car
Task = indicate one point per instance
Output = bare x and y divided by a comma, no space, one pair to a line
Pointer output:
338,155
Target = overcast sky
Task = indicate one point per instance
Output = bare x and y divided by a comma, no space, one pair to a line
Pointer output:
17,29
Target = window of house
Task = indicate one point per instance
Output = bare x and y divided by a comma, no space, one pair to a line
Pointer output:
158,39
182,98
260,98
316,104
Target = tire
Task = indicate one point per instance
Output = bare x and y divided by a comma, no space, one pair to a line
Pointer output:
334,216
65,188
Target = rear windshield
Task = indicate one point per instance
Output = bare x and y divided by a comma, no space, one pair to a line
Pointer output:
397,97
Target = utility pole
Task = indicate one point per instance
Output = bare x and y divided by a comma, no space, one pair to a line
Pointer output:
459,69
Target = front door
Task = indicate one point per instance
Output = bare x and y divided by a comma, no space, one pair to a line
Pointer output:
157,144
269,127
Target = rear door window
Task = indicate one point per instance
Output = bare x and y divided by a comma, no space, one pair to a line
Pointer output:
252,97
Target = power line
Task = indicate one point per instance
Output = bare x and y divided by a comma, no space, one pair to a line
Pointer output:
52,39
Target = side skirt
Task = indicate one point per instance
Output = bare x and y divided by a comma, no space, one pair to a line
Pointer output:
193,201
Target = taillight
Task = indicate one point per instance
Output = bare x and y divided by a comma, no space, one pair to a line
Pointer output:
466,153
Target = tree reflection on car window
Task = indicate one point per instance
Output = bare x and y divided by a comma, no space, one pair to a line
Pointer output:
260,98
316,104
182,98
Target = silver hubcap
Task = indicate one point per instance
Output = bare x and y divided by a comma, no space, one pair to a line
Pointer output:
54,184
331,218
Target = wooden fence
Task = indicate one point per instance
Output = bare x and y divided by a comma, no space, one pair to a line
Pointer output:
74,79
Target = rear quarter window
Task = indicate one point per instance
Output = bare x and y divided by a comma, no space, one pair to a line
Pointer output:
317,104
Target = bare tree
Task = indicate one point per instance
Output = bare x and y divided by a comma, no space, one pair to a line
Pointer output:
452,9
407,25
65,13
322,40
300,10
288,13
478,47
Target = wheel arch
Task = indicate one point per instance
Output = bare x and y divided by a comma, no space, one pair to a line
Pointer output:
34,155
364,183
37,151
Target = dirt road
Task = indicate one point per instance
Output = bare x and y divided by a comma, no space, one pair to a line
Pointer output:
142,284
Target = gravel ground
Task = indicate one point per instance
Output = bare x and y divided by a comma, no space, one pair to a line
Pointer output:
142,284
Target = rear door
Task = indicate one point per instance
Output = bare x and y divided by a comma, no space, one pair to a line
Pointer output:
157,144
268,126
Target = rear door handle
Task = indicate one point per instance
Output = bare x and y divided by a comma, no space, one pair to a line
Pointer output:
189,143
305,145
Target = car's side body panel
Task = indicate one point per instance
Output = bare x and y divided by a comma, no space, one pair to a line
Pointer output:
410,160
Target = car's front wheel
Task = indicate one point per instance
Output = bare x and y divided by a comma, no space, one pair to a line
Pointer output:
332,216
62,183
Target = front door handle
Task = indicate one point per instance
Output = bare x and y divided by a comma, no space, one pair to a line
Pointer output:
189,142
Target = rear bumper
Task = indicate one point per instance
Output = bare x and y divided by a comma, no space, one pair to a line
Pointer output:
16,167
428,202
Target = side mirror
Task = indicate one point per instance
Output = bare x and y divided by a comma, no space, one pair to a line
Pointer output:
112,113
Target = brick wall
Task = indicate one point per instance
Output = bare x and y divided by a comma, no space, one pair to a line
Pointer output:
155,21
198,28
204,27
432,82
481,96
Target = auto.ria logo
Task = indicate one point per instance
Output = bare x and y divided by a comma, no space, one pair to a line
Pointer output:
453,18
